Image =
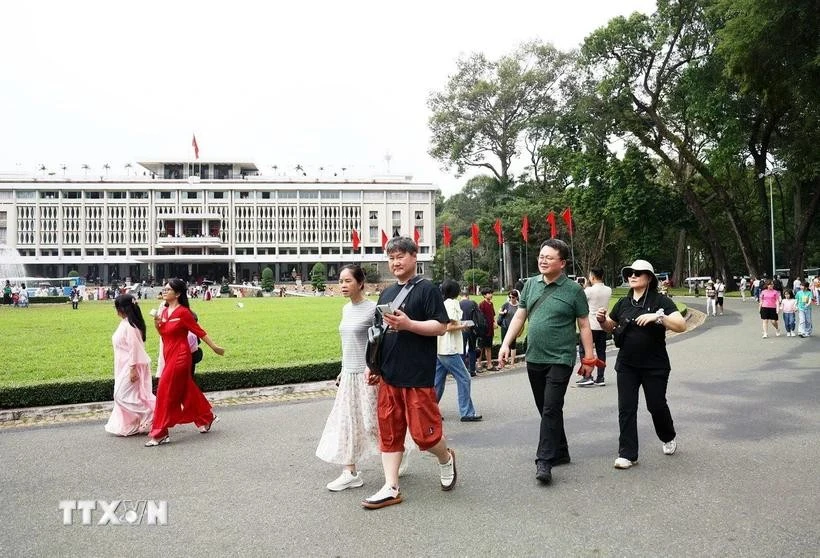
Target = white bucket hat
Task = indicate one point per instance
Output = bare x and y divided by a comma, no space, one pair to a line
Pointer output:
640,265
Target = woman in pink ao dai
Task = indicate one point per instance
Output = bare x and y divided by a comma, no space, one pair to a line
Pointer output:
133,400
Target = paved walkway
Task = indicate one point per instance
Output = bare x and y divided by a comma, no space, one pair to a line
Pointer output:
743,482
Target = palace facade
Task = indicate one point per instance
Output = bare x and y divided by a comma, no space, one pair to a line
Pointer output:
209,220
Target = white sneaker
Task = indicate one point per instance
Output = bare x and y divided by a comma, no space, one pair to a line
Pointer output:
777,333
346,480
670,447
765,336
386,496
624,463
448,472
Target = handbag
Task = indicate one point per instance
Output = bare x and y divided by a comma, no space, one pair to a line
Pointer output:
376,332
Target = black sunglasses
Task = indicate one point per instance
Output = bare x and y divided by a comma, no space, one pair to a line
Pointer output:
635,272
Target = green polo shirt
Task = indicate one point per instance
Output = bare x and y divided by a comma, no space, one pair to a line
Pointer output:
551,334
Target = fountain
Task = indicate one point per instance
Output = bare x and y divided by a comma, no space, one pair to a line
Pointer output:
11,267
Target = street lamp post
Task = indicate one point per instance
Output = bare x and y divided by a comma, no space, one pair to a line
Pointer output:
771,215
689,268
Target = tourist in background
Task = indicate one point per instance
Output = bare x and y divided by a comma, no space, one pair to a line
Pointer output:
134,401
468,309
642,318
720,289
768,305
505,316
449,360
485,341
711,298
598,295
179,399
789,307
352,431
804,302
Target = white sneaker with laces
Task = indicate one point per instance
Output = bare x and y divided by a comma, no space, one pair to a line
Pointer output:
346,480
386,496
624,463
670,447
448,472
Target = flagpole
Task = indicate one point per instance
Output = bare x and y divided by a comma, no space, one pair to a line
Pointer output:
572,251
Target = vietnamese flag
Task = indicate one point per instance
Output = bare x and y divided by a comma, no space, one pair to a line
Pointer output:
416,235
384,239
196,147
356,240
447,237
498,233
567,215
525,226
551,221
474,230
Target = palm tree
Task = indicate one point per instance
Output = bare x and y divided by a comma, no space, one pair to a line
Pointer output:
106,167
128,168
85,167
43,169
64,167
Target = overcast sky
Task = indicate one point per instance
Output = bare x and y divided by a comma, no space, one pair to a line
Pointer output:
323,83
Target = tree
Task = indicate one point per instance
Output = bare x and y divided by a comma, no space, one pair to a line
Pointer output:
267,279
318,276
479,119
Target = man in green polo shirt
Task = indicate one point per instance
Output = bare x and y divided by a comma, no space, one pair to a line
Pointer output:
554,306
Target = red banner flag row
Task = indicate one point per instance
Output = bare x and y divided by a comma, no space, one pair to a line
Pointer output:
446,236
525,229
474,234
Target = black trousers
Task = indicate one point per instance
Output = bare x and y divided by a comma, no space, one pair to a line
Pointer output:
654,383
549,386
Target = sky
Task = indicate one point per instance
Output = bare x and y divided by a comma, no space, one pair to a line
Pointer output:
318,84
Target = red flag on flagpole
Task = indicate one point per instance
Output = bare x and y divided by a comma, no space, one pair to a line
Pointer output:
567,215
196,147
447,237
525,226
416,235
356,240
474,231
384,239
498,233
551,221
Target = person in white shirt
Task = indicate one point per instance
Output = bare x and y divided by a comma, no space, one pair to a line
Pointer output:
720,289
598,295
448,355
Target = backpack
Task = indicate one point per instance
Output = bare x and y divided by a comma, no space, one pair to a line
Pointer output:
479,321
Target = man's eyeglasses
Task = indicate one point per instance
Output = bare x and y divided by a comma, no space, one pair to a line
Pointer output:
548,258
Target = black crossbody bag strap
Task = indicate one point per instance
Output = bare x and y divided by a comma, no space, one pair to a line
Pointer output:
543,297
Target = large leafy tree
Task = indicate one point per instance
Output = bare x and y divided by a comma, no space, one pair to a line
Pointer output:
479,119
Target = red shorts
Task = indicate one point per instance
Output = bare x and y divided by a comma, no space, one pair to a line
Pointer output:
401,409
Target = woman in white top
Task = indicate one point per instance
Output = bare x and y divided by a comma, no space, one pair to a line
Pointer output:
351,431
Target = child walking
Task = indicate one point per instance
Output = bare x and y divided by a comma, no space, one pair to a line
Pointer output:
789,306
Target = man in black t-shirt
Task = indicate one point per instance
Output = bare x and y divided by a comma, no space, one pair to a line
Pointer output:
407,396
468,307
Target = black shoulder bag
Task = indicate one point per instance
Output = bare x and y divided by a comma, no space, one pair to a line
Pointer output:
375,333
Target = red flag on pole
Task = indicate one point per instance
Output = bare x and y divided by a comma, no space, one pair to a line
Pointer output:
551,221
474,230
416,235
525,226
356,240
498,233
196,147
567,215
447,237
384,239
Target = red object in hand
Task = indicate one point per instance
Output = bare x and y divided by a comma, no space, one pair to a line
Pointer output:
594,362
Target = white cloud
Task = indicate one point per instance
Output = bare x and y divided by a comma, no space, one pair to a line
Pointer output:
317,83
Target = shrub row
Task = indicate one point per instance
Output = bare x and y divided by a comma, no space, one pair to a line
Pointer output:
47,299
65,393
88,391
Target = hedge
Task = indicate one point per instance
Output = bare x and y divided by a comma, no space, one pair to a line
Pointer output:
47,299
65,393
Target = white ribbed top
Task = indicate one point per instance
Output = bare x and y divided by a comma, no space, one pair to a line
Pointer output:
356,318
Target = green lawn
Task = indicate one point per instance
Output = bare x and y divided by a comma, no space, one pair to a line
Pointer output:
46,343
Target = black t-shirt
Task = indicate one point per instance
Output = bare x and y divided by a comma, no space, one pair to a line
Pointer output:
643,346
409,359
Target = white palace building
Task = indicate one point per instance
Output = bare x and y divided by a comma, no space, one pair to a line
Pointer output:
207,220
